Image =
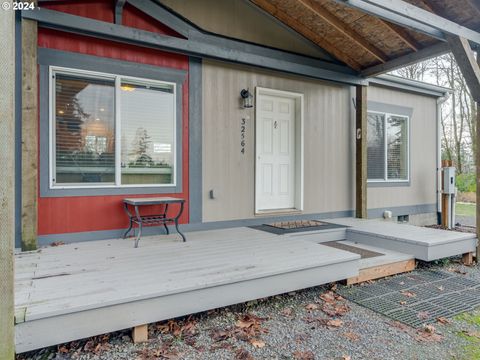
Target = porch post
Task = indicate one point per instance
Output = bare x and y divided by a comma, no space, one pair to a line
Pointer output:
7,181
361,152
477,167
29,134
470,68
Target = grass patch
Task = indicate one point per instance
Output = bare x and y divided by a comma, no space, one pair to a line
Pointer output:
471,350
465,209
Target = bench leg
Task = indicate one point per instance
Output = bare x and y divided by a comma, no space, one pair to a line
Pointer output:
140,334
129,229
137,239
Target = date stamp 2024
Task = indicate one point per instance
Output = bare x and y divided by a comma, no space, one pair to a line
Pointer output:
18,5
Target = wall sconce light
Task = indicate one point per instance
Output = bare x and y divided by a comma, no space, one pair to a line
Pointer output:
247,98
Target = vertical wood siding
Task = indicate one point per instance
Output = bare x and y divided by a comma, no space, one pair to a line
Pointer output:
91,213
423,130
230,174
329,144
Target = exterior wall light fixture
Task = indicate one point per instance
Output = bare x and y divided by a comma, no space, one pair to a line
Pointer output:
247,98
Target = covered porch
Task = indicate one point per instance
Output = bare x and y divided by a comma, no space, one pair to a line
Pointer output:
95,287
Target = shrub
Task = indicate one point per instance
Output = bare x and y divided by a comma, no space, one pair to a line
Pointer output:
466,182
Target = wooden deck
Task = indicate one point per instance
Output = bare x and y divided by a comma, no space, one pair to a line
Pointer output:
423,243
78,290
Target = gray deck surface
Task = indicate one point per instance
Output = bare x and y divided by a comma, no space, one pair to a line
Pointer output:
424,243
91,276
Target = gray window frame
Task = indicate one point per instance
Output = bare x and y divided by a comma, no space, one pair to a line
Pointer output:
395,110
53,58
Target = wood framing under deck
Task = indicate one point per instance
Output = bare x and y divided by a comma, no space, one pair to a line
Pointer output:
92,288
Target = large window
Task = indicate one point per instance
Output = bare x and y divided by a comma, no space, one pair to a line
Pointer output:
388,155
111,131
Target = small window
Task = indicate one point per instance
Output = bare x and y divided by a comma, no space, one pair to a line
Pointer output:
109,130
387,147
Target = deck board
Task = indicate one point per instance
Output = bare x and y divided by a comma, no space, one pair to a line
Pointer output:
78,277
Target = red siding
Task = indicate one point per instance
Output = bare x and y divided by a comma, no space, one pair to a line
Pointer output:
92,213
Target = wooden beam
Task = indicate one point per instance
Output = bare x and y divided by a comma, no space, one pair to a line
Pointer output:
382,271
467,63
403,35
361,152
467,259
119,4
7,182
405,14
424,54
341,27
208,46
29,134
308,33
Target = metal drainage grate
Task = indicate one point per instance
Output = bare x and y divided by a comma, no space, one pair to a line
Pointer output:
417,298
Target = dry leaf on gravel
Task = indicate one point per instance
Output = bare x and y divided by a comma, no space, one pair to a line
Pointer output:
287,312
351,336
335,310
475,334
257,343
346,357
311,307
455,270
242,354
428,333
443,320
303,355
328,297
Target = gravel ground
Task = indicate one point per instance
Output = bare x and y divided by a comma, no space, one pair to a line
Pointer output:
290,326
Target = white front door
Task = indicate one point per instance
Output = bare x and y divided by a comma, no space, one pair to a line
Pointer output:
275,151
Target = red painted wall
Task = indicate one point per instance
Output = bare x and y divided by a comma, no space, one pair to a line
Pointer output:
92,213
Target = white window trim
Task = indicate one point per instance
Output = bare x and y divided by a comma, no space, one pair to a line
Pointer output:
117,120
385,177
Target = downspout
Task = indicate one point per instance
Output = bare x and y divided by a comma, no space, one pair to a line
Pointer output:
440,102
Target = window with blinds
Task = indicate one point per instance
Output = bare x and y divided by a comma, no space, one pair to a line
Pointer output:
387,147
90,110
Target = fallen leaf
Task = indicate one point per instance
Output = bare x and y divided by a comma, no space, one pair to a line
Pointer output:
311,307
303,355
57,243
257,343
346,357
334,323
408,293
443,320
428,333
328,297
351,336
287,312
424,315
403,303
475,334
242,354
455,270
440,288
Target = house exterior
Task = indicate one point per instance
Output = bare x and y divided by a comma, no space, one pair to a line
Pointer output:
126,118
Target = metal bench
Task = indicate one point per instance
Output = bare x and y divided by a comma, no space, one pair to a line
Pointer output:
150,220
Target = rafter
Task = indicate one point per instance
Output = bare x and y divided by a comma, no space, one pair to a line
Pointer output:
424,54
307,32
403,35
336,23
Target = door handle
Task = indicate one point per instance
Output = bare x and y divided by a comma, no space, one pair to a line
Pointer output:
275,124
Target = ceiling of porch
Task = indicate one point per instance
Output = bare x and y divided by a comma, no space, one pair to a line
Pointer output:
361,40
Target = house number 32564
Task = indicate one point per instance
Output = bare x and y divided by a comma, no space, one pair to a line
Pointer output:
243,128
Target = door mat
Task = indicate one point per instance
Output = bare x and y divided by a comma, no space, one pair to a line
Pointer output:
288,227
417,298
364,253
